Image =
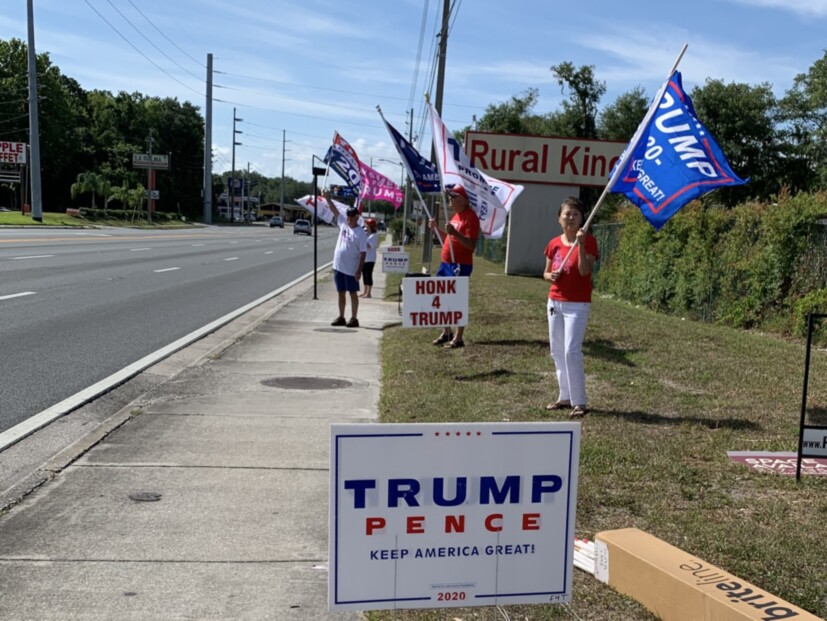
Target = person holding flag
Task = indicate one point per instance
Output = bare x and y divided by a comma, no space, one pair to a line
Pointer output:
348,261
569,303
459,241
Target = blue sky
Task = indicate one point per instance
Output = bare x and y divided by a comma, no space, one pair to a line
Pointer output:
312,67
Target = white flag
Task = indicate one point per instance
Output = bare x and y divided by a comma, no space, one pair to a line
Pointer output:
490,198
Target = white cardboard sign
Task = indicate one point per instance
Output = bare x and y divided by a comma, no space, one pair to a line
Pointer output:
434,302
451,515
395,262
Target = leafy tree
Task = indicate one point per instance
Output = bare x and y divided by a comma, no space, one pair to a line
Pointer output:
89,183
619,120
62,117
804,117
511,117
743,118
579,115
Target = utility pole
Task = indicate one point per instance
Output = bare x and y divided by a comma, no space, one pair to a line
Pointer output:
207,188
247,188
406,209
427,243
232,183
281,185
34,128
149,184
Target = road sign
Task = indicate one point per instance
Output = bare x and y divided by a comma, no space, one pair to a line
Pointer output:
145,160
153,194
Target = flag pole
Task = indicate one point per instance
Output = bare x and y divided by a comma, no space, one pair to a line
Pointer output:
410,174
442,180
627,153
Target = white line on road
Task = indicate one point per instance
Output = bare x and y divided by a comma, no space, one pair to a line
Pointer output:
30,425
16,295
232,259
269,252
167,269
34,256
138,249
196,245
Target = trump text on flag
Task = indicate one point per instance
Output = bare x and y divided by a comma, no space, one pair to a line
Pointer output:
430,302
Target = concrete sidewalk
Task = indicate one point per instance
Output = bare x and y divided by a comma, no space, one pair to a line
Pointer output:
208,498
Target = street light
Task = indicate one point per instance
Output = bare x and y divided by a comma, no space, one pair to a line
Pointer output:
317,170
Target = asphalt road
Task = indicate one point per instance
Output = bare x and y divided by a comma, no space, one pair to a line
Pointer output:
77,306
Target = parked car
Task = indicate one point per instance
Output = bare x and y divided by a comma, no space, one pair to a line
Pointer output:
277,221
302,226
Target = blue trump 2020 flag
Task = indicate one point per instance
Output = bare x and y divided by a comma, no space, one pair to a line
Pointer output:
675,161
424,173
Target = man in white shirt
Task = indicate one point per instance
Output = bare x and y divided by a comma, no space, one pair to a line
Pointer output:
348,260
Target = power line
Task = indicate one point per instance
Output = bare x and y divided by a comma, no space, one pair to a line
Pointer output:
151,23
161,69
147,39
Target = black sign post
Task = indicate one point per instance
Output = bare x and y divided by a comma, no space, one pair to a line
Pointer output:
809,445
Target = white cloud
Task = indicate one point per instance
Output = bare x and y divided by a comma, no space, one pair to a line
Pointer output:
804,8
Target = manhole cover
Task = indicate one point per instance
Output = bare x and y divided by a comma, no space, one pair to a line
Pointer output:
145,497
306,383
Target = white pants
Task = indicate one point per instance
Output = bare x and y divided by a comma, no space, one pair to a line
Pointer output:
566,328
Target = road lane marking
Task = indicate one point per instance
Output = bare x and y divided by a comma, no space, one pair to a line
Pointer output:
269,252
167,269
16,295
232,259
138,249
41,419
34,256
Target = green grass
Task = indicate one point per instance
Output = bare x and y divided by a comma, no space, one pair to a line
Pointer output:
668,398
15,218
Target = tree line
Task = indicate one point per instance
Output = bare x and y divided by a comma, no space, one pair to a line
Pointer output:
779,142
88,137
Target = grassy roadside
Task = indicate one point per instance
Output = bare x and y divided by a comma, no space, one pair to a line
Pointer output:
15,218
668,399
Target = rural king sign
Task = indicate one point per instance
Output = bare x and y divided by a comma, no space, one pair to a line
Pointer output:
12,152
539,159
450,515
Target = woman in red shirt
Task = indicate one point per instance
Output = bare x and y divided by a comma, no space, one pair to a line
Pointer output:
569,303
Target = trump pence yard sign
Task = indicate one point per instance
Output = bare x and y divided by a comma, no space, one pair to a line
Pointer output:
451,515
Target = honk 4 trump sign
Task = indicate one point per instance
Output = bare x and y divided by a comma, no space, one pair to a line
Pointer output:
429,302
451,515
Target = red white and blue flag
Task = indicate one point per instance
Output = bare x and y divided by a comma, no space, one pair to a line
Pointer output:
675,159
342,158
423,172
490,198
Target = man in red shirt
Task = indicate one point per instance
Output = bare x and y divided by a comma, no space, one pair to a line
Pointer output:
459,239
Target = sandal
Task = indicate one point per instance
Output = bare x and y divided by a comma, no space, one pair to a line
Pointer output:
443,338
453,345
579,411
559,405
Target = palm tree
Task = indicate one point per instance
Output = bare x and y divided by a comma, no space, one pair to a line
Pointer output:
88,182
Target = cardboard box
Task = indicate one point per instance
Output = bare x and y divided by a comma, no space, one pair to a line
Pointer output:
677,586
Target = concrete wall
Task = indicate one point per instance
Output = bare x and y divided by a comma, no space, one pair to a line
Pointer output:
532,224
